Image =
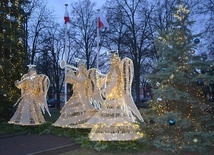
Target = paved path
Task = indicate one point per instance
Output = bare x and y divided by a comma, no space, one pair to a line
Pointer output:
35,145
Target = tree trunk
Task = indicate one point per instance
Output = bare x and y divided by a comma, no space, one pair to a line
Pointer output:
57,95
137,83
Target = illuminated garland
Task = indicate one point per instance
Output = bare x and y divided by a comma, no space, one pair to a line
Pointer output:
12,52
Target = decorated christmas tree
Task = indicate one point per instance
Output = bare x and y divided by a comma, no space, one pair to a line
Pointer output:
179,118
12,52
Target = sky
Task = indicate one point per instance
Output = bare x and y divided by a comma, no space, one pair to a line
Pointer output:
59,6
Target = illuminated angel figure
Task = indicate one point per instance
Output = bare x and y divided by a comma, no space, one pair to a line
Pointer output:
32,102
78,108
116,121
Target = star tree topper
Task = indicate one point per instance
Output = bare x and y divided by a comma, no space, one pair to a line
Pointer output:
181,12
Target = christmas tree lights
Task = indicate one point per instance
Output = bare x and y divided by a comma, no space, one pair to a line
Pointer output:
178,107
12,52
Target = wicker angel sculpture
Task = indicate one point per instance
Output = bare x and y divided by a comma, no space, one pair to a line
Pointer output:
117,119
32,102
79,108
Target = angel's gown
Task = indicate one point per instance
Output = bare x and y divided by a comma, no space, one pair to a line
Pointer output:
32,99
77,110
115,121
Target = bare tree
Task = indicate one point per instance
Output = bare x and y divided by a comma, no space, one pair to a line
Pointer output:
38,22
114,40
209,12
83,30
50,57
131,32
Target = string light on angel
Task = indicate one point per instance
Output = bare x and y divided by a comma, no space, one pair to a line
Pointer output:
117,118
79,109
32,102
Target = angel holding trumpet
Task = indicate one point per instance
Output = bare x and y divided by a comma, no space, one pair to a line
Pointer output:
79,108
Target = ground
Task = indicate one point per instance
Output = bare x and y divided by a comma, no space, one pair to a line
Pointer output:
35,141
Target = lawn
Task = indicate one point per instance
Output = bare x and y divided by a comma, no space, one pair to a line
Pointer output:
85,151
81,137
55,113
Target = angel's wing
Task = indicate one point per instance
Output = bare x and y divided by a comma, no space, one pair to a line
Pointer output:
127,75
95,84
44,84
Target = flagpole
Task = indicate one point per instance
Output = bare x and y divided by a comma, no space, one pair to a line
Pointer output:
65,57
98,38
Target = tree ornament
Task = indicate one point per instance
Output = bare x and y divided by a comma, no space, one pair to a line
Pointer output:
5,95
199,82
195,140
4,30
172,76
8,16
197,41
158,84
181,12
198,70
9,4
192,52
171,122
159,99
163,69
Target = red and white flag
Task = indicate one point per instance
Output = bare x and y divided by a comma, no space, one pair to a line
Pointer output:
102,22
66,16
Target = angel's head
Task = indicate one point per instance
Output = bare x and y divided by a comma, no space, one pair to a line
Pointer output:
115,60
82,69
114,65
31,71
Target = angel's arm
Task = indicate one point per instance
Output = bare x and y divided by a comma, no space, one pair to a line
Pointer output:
18,83
80,79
